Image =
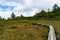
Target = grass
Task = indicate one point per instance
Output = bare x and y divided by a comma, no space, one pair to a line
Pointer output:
22,30
55,24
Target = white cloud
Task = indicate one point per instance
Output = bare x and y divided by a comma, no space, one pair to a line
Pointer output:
28,3
34,11
33,6
5,14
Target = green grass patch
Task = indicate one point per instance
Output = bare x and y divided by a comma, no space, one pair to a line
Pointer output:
22,30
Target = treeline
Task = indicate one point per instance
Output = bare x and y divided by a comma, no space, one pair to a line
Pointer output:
54,14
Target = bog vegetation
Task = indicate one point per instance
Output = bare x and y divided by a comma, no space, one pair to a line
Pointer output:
19,28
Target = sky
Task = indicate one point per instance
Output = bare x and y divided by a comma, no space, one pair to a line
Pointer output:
24,7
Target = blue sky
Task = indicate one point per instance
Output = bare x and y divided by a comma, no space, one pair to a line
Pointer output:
5,7
24,7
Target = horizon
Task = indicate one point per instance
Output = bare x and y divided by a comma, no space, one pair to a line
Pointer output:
25,7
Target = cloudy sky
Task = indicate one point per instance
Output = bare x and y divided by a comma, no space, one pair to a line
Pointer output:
24,7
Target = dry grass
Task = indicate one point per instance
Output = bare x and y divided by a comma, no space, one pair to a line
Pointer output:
22,30
55,24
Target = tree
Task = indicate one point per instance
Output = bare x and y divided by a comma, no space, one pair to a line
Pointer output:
40,15
42,11
12,16
48,10
22,16
55,8
0,18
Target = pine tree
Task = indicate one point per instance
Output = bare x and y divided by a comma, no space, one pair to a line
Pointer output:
12,16
56,8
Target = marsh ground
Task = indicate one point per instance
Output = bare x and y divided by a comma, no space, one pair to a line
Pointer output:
24,30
